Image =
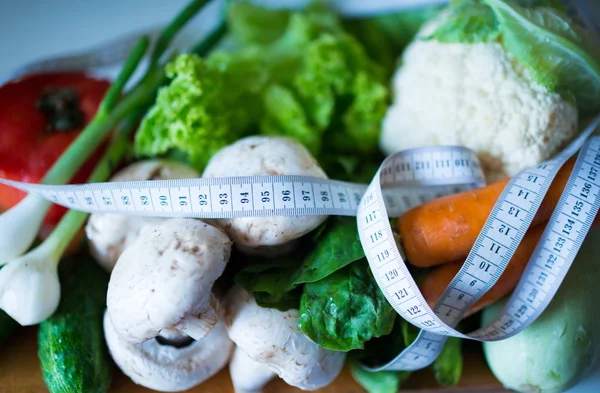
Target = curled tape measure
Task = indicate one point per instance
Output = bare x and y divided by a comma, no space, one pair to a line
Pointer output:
405,179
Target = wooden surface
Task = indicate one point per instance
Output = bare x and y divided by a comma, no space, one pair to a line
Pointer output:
20,373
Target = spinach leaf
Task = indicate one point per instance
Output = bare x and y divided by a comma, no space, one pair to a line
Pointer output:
557,53
345,309
409,332
337,247
447,368
378,382
279,301
271,283
329,249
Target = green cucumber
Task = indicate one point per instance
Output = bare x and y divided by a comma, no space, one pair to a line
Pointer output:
71,346
561,346
7,326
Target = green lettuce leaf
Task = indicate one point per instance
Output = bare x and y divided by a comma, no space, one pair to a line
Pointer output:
285,115
251,24
334,103
344,310
206,106
558,54
447,368
301,76
467,21
385,36
378,382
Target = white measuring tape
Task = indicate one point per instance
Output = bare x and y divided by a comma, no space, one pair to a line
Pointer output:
502,233
405,180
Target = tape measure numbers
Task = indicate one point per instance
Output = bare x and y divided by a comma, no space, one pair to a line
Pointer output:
405,180
491,253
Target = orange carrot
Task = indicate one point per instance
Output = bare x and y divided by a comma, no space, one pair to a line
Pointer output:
438,278
444,230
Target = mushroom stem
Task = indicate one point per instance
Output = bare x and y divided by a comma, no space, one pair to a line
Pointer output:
198,326
272,338
247,375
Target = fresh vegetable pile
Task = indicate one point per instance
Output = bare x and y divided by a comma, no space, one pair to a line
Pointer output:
276,92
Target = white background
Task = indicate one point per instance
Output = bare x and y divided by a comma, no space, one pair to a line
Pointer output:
36,29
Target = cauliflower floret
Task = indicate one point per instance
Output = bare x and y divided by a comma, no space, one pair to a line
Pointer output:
477,96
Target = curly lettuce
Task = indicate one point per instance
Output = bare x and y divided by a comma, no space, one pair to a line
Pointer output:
208,105
302,77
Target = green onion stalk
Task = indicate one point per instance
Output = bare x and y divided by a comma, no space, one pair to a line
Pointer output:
29,285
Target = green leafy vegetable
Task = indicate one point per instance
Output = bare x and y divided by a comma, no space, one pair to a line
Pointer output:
271,283
207,105
377,352
467,21
556,51
378,382
345,309
385,36
274,283
447,368
301,75
338,246
244,18
287,116
335,101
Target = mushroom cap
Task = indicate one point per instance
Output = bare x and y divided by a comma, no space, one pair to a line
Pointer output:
272,337
261,156
165,367
163,280
109,234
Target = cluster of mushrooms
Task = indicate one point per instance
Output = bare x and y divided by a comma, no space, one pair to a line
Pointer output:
166,325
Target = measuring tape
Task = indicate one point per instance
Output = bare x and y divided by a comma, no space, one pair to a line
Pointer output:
503,231
423,174
405,179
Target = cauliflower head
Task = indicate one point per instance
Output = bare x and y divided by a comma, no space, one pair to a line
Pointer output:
475,95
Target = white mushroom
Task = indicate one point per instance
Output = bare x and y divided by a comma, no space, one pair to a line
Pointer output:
247,375
272,337
164,280
110,234
257,156
170,364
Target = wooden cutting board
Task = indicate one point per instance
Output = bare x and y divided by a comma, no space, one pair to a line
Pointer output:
20,373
